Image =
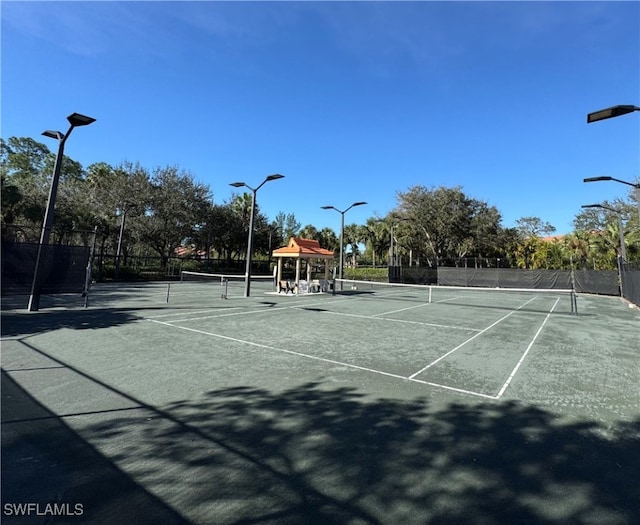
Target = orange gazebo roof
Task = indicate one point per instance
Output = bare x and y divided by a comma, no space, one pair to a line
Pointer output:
303,249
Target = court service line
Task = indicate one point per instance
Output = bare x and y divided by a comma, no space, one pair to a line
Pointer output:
401,309
193,312
322,359
470,339
406,321
244,312
513,373
416,306
302,307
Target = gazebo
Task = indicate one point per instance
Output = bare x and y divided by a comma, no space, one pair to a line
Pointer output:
300,249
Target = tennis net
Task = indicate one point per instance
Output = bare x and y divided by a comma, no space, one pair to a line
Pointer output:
508,298
262,282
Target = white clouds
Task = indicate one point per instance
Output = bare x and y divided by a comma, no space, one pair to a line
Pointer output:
86,29
377,36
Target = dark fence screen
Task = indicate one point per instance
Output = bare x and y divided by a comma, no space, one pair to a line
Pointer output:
631,284
505,278
413,274
604,282
63,268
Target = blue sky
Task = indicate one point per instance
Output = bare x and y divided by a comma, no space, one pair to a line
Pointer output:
349,100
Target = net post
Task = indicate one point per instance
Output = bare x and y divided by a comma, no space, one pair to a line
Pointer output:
168,291
88,275
334,282
574,297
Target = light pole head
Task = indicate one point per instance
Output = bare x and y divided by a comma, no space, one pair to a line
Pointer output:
328,207
359,203
601,206
76,119
275,176
606,177
614,111
596,179
237,184
53,134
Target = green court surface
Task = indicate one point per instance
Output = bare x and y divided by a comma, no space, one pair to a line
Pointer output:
167,403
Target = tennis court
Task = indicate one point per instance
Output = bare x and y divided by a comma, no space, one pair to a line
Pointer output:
371,405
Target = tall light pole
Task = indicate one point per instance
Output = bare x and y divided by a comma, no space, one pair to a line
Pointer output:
636,186
125,209
612,112
76,120
342,212
623,251
247,273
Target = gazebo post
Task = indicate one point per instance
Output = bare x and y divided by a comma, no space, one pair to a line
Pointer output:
298,274
279,270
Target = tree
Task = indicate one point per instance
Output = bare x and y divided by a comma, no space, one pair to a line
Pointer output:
10,205
309,232
118,196
176,205
222,230
352,237
376,238
485,230
444,222
27,169
288,225
533,227
23,165
328,239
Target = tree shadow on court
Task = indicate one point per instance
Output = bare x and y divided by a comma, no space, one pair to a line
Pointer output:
45,462
20,323
334,456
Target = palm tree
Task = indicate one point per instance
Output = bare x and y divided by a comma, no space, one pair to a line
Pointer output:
309,232
241,205
576,247
368,235
352,238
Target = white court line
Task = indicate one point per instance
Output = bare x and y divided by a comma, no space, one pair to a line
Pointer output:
402,309
513,373
422,323
193,312
303,306
416,306
322,359
470,339
460,390
258,309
